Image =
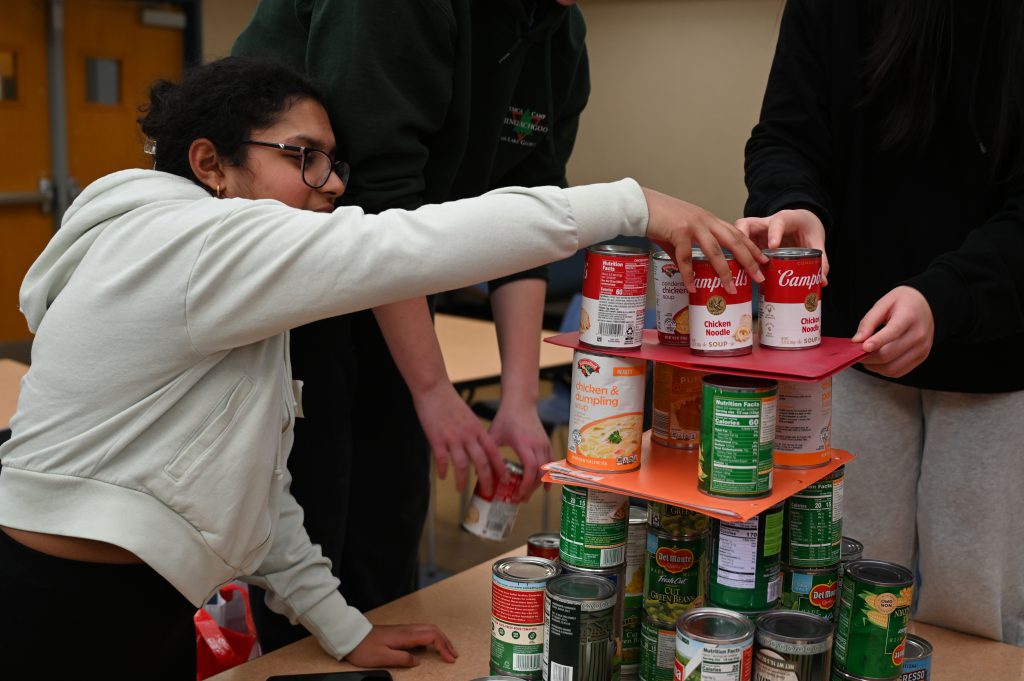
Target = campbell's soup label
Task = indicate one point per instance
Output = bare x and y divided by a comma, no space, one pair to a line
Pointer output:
672,301
614,297
790,305
721,323
803,426
606,422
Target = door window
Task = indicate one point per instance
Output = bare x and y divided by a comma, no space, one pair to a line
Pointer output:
102,80
8,75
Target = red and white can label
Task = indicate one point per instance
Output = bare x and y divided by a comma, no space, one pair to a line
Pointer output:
614,297
672,302
720,322
492,516
790,305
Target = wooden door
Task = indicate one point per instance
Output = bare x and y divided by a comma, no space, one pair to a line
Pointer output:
110,58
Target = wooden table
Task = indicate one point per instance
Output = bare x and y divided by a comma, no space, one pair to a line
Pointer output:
470,350
461,606
10,383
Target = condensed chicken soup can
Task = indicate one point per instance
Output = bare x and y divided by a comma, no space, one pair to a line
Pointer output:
803,427
614,297
491,516
517,614
672,301
676,406
721,323
790,305
606,422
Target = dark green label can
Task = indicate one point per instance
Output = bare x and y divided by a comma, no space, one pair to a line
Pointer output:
658,650
737,436
631,623
812,590
871,625
675,520
745,561
675,575
814,524
594,524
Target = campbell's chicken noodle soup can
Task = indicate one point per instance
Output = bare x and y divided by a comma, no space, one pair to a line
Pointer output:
614,297
543,545
517,614
607,418
671,302
790,305
803,426
491,516
721,323
676,406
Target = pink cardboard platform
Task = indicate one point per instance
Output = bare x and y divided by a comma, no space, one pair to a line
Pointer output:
812,364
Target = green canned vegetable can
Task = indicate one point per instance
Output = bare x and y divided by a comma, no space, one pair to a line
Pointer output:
839,675
751,615
578,615
874,609
814,523
813,590
636,553
517,614
631,624
737,436
676,572
675,520
658,650
745,561
594,523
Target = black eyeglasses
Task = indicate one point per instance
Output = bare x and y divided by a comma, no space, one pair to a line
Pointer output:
317,166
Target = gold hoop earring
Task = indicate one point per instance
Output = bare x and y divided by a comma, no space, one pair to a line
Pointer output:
218,192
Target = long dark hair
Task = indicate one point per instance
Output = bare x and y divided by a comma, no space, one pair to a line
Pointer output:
222,101
908,68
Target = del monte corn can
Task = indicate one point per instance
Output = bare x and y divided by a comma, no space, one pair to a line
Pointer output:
614,297
517,614
737,436
871,625
607,418
811,590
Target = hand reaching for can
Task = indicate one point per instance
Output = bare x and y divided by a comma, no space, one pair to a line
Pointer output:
799,227
519,427
677,226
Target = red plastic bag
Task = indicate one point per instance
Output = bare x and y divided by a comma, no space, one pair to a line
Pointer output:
220,645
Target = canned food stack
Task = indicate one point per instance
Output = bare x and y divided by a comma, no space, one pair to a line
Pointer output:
633,592
675,581
518,614
745,573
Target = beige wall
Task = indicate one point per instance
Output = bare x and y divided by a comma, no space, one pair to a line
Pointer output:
677,86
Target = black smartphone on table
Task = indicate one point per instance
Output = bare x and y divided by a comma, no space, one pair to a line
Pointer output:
364,675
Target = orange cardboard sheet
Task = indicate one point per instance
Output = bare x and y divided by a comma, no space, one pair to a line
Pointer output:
812,364
670,475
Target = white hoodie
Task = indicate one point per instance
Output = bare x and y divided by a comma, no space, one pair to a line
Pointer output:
157,414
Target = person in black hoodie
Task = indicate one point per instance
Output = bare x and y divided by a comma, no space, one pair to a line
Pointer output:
433,101
891,137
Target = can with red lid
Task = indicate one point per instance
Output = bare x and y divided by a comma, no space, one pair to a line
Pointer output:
543,545
672,301
614,297
790,305
721,323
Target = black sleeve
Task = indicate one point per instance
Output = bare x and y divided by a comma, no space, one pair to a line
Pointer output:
788,158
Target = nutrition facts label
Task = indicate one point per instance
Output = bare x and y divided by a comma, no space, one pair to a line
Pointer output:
737,554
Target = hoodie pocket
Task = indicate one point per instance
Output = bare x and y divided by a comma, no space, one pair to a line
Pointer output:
210,431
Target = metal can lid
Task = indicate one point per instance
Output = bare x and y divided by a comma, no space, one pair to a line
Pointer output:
715,625
577,587
660,254
740,383
792,253
830,570
527,569
851,549
917,648
637,515
698,254
751,614
546,540
840,675
612,249
610,572
879,572
793,626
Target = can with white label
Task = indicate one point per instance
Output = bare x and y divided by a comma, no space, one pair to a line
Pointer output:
672,301
792,646
714,644
491,516
607,418
721,323
790,305
803,426
614,297
517,614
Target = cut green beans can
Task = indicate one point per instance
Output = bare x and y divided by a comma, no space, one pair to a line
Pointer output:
658,650
675,520
737,436
745,561
676,573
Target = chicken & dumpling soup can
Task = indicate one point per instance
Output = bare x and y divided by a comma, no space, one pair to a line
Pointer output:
614,297
790,304
721,323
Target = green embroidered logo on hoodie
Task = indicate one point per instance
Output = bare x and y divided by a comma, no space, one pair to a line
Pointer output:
521,126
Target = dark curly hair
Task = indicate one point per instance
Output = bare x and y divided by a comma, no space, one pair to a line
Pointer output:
223,101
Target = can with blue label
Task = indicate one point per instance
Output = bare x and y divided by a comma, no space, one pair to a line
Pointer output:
917,660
